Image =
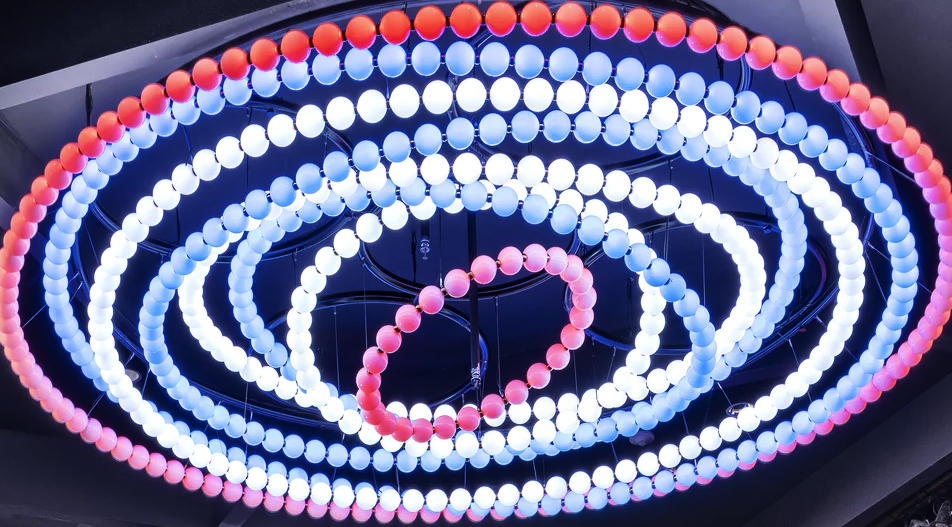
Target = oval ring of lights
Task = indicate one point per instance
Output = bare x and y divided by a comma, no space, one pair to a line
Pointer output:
670,30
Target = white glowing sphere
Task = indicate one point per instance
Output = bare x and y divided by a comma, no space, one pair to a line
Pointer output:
572,198
268,380
493,442
617,184
689,210
350,422
530,171
437,97
520,413
340,113
668,200
556,487
467,168
519,438
425,210
657,381
299,490
580,482
718,131
281,130
796,385
499,169
747,419
326,261
561,174
435,169
403,173
333,410
626,471
467,444
254,141
664,113
147,212
257,478
404,101
690,447
568,403
669,456
343,495
544,431
710,439
743,143
369,228
321,493
504,94
346,243
648,464
533,491
229,152
590,179
508,494
603,477
804,179
399,409
484,498
366,498
542,189
205,165
643,192
567,423
538,95
310,121
633,106
709,219
692,122
237,472
570,97
420,411
471,94
165,195
544,408
372,106
766,153
415,449
764,409
441,447
602,100
436,500
460,499
728,429
589,410
389,499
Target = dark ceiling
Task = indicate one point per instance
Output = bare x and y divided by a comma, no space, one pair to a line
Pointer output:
900,49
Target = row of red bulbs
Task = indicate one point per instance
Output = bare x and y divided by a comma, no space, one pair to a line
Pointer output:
501,18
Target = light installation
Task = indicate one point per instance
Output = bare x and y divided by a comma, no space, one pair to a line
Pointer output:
795,166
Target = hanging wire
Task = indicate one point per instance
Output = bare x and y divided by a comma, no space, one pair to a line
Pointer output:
366,331
875,276
336,349
786,86
498,346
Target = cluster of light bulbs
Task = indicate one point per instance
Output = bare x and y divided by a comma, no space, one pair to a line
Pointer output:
558,192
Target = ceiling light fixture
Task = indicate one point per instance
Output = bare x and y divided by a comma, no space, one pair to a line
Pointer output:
796,167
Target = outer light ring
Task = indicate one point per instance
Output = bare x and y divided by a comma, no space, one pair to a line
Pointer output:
930,180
